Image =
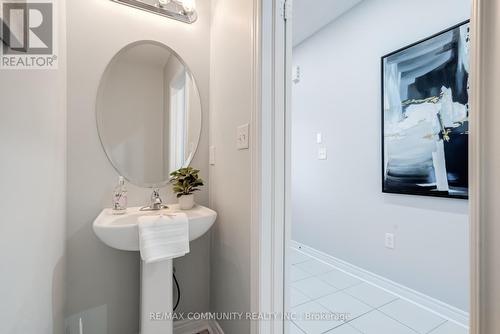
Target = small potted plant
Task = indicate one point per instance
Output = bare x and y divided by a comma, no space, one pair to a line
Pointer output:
185,182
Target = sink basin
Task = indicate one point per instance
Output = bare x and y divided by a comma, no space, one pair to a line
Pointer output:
121,231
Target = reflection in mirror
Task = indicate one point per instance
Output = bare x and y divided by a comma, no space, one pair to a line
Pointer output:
148,113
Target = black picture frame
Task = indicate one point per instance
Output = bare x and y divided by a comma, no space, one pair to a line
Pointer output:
383,160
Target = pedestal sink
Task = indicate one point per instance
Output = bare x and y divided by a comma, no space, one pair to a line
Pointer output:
121,232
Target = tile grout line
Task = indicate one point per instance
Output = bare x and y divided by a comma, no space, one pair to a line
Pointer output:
397,320
333,312
433,311
300,329
344,291
440,325
357,330
328,294
327,272
338,290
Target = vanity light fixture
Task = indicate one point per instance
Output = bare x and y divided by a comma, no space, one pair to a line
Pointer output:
181,10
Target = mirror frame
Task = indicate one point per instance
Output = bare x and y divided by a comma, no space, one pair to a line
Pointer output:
187,163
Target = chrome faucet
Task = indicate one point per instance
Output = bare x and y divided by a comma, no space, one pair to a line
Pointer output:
156,203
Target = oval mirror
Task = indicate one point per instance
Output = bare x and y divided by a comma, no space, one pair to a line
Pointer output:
148,113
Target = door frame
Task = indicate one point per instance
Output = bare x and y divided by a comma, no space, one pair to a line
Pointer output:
268,165
270,179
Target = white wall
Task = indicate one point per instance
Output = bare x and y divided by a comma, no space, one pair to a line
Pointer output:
230,105
338,206
32,196
99,276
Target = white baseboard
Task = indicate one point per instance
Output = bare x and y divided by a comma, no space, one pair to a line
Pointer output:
196,326
438,307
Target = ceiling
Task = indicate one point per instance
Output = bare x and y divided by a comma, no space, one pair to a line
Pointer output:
309,16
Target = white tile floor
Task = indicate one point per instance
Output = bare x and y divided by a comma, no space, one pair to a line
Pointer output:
352,306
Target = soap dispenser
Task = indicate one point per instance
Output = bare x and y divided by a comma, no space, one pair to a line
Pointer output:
119,204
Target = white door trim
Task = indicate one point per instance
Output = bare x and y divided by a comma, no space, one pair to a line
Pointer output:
267,166
475,158
270,144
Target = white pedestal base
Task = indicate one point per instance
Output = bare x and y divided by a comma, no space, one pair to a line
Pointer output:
156,297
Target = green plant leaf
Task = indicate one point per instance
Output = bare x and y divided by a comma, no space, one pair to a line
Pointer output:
185,181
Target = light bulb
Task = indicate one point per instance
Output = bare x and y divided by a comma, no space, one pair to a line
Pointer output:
163,3
189,6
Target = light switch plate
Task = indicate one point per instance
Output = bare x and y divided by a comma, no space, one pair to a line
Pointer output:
389,240
319,138
242,140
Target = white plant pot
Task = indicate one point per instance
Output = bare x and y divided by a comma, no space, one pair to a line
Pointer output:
186,202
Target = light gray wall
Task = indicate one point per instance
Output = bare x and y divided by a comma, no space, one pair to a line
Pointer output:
230,105
490,176
100,279
32,196
338,206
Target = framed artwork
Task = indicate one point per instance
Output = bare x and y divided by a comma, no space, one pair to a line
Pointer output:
425,113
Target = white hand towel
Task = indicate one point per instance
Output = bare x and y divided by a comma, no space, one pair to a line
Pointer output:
163,237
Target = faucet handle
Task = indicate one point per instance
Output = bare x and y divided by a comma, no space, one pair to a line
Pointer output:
156,203
155,195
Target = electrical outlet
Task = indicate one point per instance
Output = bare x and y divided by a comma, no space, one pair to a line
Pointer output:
389,240
242,140
322,154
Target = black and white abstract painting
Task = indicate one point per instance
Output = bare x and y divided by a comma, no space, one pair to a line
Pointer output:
425,116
